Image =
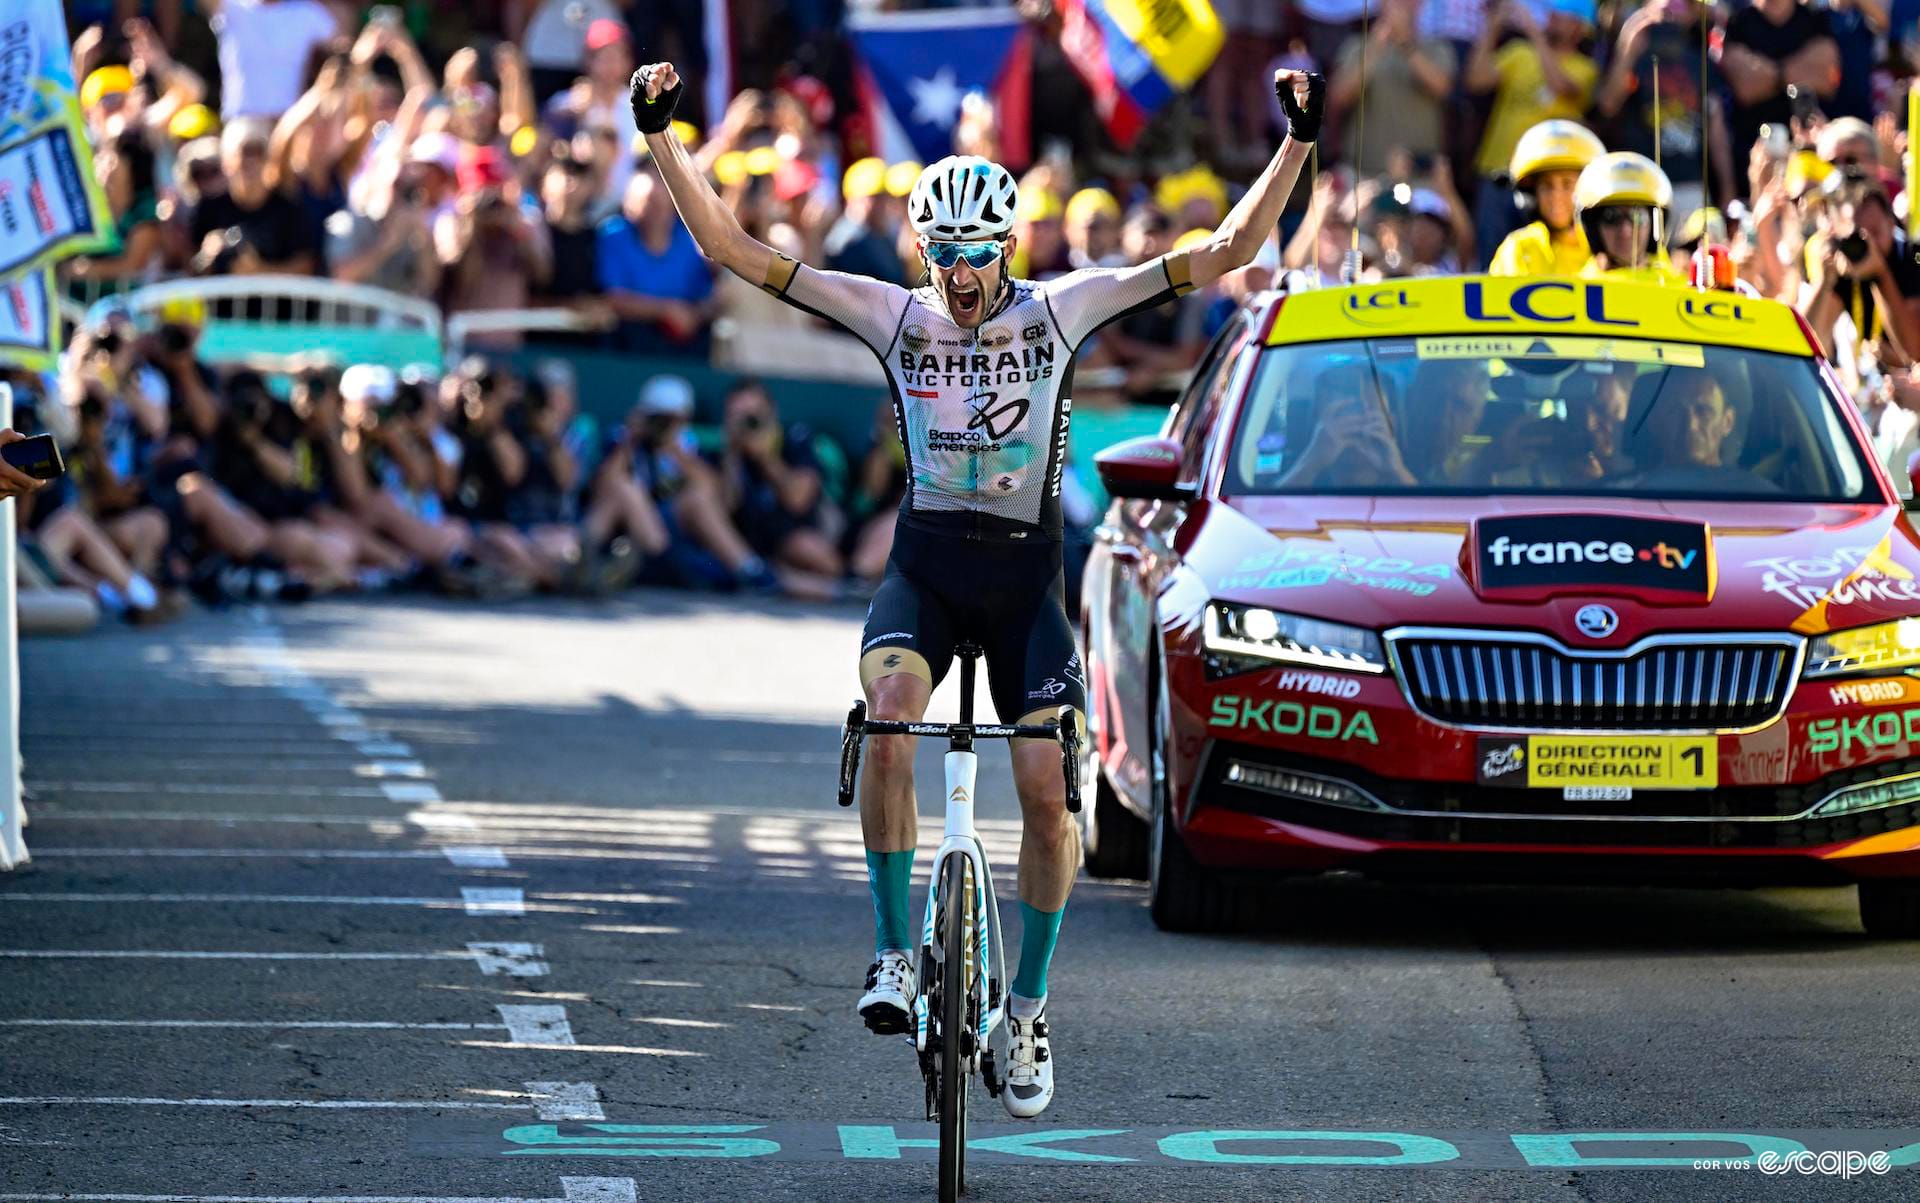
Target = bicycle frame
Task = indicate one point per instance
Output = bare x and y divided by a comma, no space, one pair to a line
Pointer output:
988,990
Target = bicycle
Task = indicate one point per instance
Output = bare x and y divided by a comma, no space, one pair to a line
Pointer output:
953,1028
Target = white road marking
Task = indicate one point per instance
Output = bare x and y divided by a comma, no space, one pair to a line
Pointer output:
467,857
511,960
317,1024
64,1100
392,768
565,1100
536,1025
473,901
64,1197
600,1190
194,789
474,856
384,747
410,791
485,900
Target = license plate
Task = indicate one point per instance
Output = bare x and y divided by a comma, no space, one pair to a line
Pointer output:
1596,793
1629,762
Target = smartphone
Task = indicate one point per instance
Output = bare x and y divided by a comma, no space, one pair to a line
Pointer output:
385,14
37,456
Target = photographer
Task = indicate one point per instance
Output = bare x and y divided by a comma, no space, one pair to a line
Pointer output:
1859,265
495,252
492,466
251,228
656,452
771,482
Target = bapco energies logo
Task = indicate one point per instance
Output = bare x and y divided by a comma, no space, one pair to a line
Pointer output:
999,420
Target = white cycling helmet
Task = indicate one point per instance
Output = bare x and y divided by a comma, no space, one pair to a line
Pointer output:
963,198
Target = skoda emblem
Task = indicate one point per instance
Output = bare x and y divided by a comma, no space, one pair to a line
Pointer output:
1596,621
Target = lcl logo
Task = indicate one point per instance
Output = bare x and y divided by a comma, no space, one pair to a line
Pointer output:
1378,307
1694,310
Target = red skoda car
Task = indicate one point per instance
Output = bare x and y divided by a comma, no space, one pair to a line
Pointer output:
1506,579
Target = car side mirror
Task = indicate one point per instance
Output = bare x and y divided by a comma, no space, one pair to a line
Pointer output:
1144,469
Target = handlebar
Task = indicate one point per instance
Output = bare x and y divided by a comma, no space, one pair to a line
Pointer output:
1061,729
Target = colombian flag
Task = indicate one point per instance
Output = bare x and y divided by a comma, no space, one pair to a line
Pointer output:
1135,55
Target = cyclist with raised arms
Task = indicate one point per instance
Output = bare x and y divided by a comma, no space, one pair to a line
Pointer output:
977,362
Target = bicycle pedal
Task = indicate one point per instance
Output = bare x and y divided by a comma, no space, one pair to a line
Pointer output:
990,1074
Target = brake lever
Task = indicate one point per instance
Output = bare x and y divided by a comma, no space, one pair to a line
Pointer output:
1069,734
851,737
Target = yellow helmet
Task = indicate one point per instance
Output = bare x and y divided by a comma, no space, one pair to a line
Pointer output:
1555,145
1623,179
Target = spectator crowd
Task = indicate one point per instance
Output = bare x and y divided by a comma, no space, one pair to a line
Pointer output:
484,157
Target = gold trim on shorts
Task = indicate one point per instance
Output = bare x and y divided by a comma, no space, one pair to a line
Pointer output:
886,661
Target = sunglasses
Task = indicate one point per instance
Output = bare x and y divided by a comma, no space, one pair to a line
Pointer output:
1619,217
978,255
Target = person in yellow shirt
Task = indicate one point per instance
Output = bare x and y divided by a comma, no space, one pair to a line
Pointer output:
1623,200
1535,77
1547,162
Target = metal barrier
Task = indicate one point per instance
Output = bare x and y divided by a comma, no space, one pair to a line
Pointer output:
275,322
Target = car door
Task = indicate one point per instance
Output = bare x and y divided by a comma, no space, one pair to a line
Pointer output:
1133,554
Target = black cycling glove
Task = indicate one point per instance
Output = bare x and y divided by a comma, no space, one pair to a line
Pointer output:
652,116
1303,122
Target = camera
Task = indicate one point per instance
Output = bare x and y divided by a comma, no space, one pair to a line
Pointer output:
175,338
1853,247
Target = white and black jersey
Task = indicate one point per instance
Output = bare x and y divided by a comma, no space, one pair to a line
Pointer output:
982,413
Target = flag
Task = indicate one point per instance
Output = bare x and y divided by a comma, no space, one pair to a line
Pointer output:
50,205
914,70
1135,55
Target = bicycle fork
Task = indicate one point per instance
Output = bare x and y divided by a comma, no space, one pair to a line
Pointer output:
986,984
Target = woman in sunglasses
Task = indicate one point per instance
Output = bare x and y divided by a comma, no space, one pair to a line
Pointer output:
976,360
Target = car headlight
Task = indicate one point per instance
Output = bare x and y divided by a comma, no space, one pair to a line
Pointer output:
1865,649
1234,630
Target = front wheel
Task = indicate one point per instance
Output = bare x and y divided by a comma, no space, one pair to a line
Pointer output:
1890,909
954,1029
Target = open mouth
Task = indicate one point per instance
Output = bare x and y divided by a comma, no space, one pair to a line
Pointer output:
964,301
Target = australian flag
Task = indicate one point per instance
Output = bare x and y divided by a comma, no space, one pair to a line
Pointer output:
915,70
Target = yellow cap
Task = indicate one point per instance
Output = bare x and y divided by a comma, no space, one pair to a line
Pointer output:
104,82
902,176
1555,145
763,160
193,121
1198,183
1038,204
1707,224
730,168
1089,202
184,311
523,141
687,132
1805,170
1622,178
1191,239
866,177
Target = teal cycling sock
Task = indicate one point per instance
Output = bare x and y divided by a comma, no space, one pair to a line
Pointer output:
890,876
1038,931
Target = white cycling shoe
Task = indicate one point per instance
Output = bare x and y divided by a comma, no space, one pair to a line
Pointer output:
1029,1085
887,1006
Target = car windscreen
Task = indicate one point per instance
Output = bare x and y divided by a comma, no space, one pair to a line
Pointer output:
1555,415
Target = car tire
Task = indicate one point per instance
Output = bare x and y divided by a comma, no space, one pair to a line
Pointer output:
1183,895
1112,837
1890,910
